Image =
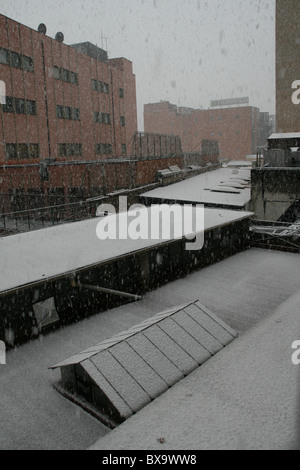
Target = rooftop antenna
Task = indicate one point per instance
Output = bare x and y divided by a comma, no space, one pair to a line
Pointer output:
103,38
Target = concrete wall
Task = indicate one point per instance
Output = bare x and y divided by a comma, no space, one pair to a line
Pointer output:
273,191
141,272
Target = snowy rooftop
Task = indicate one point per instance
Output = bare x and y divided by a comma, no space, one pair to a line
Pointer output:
43,254
213,188
139,364
285,135
246,396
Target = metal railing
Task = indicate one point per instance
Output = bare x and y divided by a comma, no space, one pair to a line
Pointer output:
36,218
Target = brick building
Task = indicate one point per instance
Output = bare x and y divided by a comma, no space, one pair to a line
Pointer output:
68,128
239,130
67,109
62,101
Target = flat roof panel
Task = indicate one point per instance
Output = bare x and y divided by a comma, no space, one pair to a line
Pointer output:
52,252
197,190
287,135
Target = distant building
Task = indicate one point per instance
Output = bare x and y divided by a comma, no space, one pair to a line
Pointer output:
238,129
287,66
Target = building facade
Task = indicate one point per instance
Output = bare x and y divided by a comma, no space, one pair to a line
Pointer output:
68,124
62,102
239,130
287,66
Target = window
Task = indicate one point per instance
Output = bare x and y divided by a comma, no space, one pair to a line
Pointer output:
105,88
60,111
100,86
34,150
27,63
104,118
9,106
11,151
30,107
23,151
20,106
65,75
56,73
108,148
74,78
124,148
62,150
70,150
4,56
103,149
66,112
121,93
75,114
122,120
15,60
77,150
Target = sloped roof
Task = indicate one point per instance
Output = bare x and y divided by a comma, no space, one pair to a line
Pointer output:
137,365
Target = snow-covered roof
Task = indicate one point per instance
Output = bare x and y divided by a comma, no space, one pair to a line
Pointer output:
246,397
227,402
201,189
52,252
283,135
138,365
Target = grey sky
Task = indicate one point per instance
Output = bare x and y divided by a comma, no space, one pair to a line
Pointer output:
188,52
